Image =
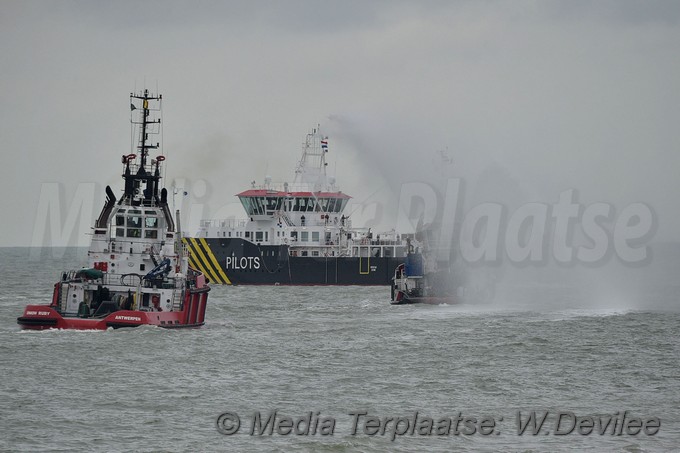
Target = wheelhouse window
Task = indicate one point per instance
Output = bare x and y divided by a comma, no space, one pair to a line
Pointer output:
304,204
274,204
253,205
328,204
259,205
150,225
133,224
339,204
245,201
151,222
120,226
134,221
315,236
304,236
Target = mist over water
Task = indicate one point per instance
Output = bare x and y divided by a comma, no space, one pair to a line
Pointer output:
408,164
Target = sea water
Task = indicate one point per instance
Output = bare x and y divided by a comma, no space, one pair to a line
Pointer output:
553,343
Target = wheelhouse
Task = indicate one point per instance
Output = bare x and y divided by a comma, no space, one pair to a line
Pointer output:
268,202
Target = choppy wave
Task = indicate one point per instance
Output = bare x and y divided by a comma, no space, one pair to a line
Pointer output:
333,350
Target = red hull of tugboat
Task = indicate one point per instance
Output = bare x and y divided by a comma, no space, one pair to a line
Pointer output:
136,233
41,317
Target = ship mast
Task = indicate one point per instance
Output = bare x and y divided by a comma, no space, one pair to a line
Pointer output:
311,169
142,180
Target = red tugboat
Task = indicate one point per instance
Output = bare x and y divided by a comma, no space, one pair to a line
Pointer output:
138,269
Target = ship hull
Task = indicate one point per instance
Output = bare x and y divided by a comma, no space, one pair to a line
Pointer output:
239,262
403,299
42,317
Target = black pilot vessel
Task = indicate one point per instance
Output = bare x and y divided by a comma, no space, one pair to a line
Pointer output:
296,234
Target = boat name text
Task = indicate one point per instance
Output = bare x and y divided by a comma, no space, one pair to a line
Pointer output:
244,262
127,318
38,313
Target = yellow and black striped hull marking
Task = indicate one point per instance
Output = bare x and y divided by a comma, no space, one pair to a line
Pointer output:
203,259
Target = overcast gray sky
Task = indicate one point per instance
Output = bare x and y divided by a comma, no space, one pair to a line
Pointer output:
543,96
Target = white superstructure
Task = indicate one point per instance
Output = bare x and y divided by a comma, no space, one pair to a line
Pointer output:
307,216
